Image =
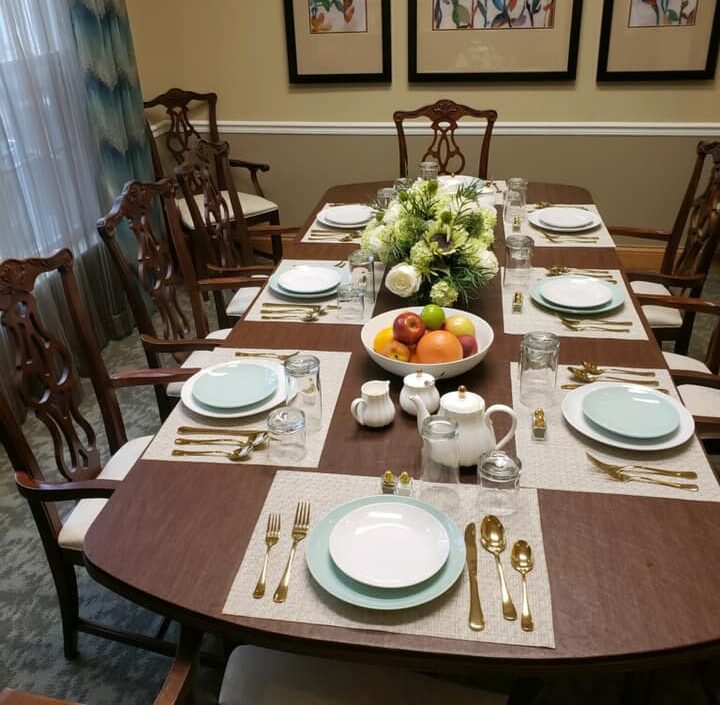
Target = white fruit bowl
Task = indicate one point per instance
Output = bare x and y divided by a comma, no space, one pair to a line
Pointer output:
483,334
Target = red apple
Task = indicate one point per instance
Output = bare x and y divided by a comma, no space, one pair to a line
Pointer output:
396,350
408,328
469,344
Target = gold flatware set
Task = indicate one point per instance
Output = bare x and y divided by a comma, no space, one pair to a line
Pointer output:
492,539
604,274
248,441
293,312
267,353
626,473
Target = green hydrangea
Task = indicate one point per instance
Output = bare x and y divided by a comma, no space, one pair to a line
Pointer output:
421,256
443,293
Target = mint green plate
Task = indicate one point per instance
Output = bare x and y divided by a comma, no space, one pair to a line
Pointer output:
233,384
334,581
617,298
633,412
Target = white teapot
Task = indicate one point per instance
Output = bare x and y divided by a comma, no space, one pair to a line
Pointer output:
422,385
476,433
374,407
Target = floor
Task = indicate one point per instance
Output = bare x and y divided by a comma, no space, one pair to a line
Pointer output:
31,654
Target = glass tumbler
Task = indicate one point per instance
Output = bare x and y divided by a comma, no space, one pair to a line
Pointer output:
498,482
515,206
385,196
518,261
286,428
362,272
302,378
439,462
539,352
403,183
428,170
350,302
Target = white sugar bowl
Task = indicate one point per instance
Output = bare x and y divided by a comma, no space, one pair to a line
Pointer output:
422,385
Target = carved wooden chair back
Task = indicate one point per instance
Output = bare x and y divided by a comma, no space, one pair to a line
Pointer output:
182,135
444,116
221,234
701,212
139,206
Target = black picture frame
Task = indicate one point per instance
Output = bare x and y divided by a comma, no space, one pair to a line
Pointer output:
707,72
295,77
415,75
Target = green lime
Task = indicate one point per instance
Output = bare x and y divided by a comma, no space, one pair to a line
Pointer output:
433,316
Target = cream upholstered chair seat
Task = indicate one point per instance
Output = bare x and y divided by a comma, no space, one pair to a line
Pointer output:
684,362
260,676
251,204
78,521
699,400
657,316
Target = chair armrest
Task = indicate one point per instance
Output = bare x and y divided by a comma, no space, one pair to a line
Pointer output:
139,378
150,342
666,279
179,679
62,491
253,168
681,302
643,233
243,271
691,377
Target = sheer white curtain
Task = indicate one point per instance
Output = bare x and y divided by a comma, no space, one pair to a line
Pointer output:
48,159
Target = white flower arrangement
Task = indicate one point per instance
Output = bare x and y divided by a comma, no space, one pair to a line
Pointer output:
436,241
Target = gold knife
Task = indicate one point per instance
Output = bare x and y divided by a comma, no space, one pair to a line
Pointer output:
476,619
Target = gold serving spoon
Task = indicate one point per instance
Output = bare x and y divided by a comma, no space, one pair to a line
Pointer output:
584,376
522,560
593,369
492,538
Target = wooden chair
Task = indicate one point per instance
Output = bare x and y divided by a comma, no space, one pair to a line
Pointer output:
182,135
48,386
443,116
698,381
689,249
221,238
139,207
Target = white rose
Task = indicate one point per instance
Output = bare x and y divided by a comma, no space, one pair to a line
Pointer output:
392,213
403,280
488,261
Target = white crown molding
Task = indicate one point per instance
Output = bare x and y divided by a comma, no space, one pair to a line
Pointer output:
534,129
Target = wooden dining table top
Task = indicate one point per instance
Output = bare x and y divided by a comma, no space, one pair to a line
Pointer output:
634,580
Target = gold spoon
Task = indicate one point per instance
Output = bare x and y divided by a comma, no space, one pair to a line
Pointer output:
557,271
237,454
575,385
593,369
522,560
584,376
492,538
214,441
281,316
220,430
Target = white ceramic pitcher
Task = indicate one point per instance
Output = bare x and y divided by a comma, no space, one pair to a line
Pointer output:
374,407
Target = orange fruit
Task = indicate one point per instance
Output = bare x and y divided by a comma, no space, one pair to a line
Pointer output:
382,339
438,346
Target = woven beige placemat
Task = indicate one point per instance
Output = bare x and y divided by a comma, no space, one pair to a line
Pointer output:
604,237
333,366
329,315
446,616
560,463
534,317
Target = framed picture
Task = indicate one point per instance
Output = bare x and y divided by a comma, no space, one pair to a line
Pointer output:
658,40
493,40
338,41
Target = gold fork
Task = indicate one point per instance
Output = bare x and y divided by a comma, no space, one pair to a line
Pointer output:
687,474
622,476
277,356
299,532
272,536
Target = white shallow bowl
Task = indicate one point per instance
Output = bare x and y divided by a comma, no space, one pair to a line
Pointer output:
483,334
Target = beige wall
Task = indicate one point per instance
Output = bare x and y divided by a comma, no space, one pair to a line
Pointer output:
237,49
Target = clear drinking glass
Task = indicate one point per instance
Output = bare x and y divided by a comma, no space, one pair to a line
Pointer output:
440,464
350,302
518,261
385,196
499,483
286,428
302,377
403,183
539,352
362,272
428,170
515,206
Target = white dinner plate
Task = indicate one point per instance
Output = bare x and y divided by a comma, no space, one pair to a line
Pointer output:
576,291
635,412
535,218
456,181
188,398
306,279
389,545
230,385
618,299
572,408
563,217
352,215
281,292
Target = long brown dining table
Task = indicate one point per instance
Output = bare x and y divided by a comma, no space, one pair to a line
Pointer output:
634,579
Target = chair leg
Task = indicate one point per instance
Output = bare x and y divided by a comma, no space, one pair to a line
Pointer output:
67,592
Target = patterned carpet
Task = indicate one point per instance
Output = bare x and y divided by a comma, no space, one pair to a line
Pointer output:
30,637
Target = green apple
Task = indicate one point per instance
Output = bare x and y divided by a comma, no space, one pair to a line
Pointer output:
433,317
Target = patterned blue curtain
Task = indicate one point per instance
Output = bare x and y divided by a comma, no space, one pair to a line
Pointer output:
105,48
